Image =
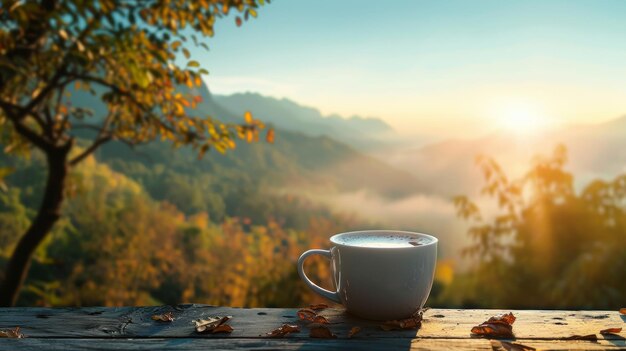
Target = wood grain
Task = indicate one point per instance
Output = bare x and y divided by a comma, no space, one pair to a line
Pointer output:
179,344
110,328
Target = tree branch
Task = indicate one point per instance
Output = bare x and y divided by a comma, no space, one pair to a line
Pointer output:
53,83
103,137
86,126
10,108
31,135
40,122
57,108
99,141
47,89
22,129
116,89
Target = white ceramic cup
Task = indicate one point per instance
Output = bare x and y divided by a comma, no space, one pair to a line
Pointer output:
379,283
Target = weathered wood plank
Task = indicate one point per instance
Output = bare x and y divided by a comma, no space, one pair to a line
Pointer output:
225,344
256,344
122,322
530,324
180,344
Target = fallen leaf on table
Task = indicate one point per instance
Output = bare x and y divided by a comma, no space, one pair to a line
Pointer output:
321,332
622,310
414,322
307,314
493,330
509,346
590,337
611,331
165,317
208,325
507,318
11,333
319,306
354,331
410,323
496,326
224,328
320,319
283,330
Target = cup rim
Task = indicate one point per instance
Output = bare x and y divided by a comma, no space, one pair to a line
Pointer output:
433,239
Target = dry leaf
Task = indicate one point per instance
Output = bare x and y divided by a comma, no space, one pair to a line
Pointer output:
319,306
507,318
590,337
496,326
321,332
622,310
283,330
165,317
493,330
204,325
224,328
354,331
410,323
11,333
414,322
510,346
307,314
611,331
320,319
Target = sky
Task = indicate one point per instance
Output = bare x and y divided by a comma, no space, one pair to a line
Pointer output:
439,68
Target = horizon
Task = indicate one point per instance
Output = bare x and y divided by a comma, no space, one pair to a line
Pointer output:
513,66
495,129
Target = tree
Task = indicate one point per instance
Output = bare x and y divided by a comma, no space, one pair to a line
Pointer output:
548,246
131,55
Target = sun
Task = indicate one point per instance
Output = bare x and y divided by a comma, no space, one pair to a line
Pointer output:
521,118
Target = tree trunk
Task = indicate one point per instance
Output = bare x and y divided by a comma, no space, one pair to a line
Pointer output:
49,212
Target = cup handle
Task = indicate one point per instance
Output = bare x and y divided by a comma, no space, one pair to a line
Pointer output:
331,295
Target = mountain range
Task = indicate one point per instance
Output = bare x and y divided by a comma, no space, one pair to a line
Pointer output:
448,167
360,132
308,151
352,164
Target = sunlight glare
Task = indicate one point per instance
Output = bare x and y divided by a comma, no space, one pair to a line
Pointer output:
521,118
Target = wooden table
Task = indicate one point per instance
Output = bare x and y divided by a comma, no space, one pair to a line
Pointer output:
131,328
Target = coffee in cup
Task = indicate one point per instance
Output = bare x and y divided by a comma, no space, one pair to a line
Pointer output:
378,274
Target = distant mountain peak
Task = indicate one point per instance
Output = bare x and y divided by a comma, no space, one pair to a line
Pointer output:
284,113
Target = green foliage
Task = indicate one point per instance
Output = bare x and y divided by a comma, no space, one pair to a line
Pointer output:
14,219
125,53
548,247
4,171
127,56
117,245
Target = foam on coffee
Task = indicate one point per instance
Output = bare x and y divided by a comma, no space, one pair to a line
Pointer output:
382,240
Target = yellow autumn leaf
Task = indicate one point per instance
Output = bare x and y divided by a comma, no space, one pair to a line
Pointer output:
179,109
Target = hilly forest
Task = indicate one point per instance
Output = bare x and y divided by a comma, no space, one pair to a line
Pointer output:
168,209
153,224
